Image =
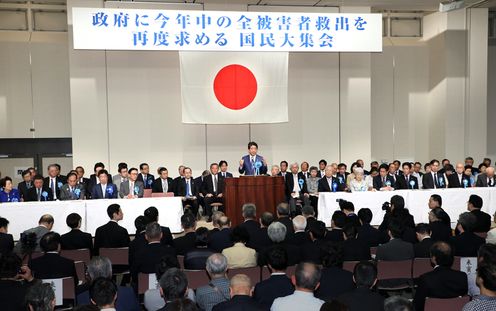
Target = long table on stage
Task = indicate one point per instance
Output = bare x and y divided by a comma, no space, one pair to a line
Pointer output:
264,191
25,215
454,202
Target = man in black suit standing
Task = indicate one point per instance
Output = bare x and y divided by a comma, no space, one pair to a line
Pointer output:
111,235
6,239
213,189
467,243
363,297
188,189
459,179
39,192
25,185
296,189
241,291
51,265
474,206
442,282
145,177
223,169
278,284
486,179
406,180
163,183
83,180
422,248
75,239
188,241
383,181
434,179
284,169
322,167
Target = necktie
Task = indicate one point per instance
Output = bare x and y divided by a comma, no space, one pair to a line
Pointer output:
131,188
407,181
52,185
490,182
215,183
28,185
188,189
436,183
38,193
384,181
103,191
164,185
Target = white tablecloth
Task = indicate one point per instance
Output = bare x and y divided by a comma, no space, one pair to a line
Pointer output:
25,215
454,202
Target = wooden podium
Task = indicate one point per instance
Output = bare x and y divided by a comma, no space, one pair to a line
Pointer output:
265,192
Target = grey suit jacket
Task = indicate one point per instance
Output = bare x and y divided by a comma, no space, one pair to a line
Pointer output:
116,180
124,189
66,194
40,231
482,180
394,250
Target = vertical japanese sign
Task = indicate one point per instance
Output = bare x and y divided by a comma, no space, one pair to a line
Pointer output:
133,29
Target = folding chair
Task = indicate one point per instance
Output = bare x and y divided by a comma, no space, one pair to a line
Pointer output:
394,275
350,265
197,278
253,273
452,304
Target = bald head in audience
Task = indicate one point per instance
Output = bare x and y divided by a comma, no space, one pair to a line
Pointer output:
240,285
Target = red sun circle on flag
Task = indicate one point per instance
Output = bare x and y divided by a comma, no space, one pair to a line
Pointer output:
235,87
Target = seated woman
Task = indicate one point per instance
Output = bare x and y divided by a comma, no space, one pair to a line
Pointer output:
359,183
8,193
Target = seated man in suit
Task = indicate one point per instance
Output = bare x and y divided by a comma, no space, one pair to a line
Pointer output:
103,189
252,163
72,190
111,235
328,183
213,189
132,188
196,258
238,255
163,183
152,215
368,234
31,238
396,249
241,291
75,239
277,234
148,258
186,242
188,190
217,290
467,243
103,294
53,181
434,179
101,267
486,179
6,239
173,286
296,189
306,281
383,181
354,249
474,206
39,192
145,177
25,185
300,236
223,169
363,297
250,223
221,239
51,265
338,222
422,248
436,202
442,282
122,176
278,284
459,179
407,180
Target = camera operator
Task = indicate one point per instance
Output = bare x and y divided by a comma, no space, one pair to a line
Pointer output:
395,209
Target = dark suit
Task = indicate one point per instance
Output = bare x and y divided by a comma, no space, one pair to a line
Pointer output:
274,287
126,301
422,248
299,238
185,243
53,266
92,182
403,183
181,189
302,186
148,258
220,240
76,239
324,186
33,195
248,168
334,281
111,235
59,182
454,181
208,188
283,175
110,193
13,295
483,223
226,174
355,250
440,231
289,226
428,181
259,239
239,303
6,243
362,298
23,189
395,249
371,236
252,227
294,254
313,251
196,258
378,182
157,185
334,235
466,244
442,282
482,181
148,182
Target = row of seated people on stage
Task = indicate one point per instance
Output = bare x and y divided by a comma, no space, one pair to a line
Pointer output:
301,240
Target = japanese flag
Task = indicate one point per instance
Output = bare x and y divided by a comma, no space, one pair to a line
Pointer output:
234,87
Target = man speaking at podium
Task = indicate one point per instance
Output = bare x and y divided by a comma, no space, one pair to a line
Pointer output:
252,164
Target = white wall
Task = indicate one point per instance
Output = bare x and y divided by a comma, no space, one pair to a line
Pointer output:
491,100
